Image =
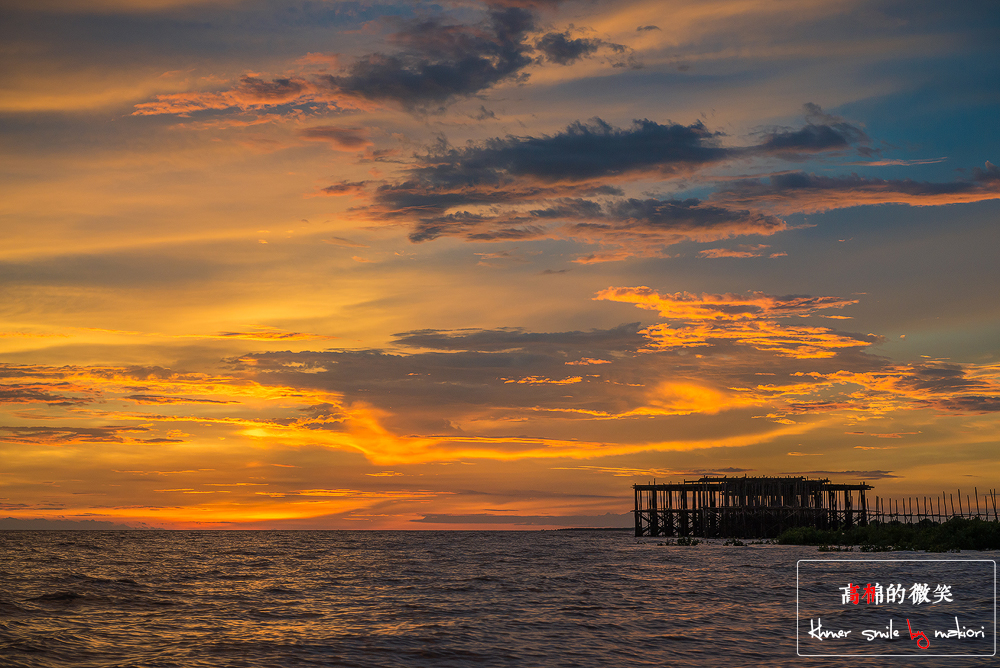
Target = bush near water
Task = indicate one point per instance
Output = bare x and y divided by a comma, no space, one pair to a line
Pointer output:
955,534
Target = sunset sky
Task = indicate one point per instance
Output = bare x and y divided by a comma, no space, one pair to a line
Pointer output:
471,264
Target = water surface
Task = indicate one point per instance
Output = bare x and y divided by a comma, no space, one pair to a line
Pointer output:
145,599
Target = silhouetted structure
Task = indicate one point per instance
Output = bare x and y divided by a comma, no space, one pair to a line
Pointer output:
915,510
747,507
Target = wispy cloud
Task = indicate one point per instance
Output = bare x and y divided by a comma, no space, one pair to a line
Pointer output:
799,192
339,138
741,320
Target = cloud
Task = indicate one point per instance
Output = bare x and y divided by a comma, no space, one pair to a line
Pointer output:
344,188
562,173
645,227
583,151
483,113
799,192
968,404
622,337
529,4
568,185
265,334
861,475
154,399
546,187
43,393
956,389
822,133
256,334
340,139
757,250
740,320
340,241
436,62
499,258
433,63
506,394
70,435
559,48
439,62
250,93
253,90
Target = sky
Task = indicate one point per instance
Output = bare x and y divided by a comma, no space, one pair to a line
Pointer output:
485,264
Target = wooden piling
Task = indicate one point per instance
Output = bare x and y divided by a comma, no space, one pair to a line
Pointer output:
748,507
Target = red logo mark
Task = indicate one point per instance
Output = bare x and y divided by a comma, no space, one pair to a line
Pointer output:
920,635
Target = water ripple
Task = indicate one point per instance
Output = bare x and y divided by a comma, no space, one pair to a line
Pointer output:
157,599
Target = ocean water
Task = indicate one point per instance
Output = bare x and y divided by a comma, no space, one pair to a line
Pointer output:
372,598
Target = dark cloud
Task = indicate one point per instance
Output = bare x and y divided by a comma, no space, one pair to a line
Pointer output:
802,192
823,132
811,138
948,387
157,399
344,188
530,4
449,375
67,435
276,90
483,113
438,376
439,61
572,209
940,378
559,175
968,404
561,172
350,139
622,337
644,225
690,214
430,63
989,174
583,151
646,28
560,167
29,394
559,48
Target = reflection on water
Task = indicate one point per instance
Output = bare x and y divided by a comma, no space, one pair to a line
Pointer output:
354,598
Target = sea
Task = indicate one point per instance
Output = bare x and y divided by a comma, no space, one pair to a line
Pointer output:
158,599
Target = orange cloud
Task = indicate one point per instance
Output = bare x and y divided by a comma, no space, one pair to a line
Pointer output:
738,319
757,250
541,380
676,398
250,93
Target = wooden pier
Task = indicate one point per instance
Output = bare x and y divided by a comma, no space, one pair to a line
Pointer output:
723,507
937,509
